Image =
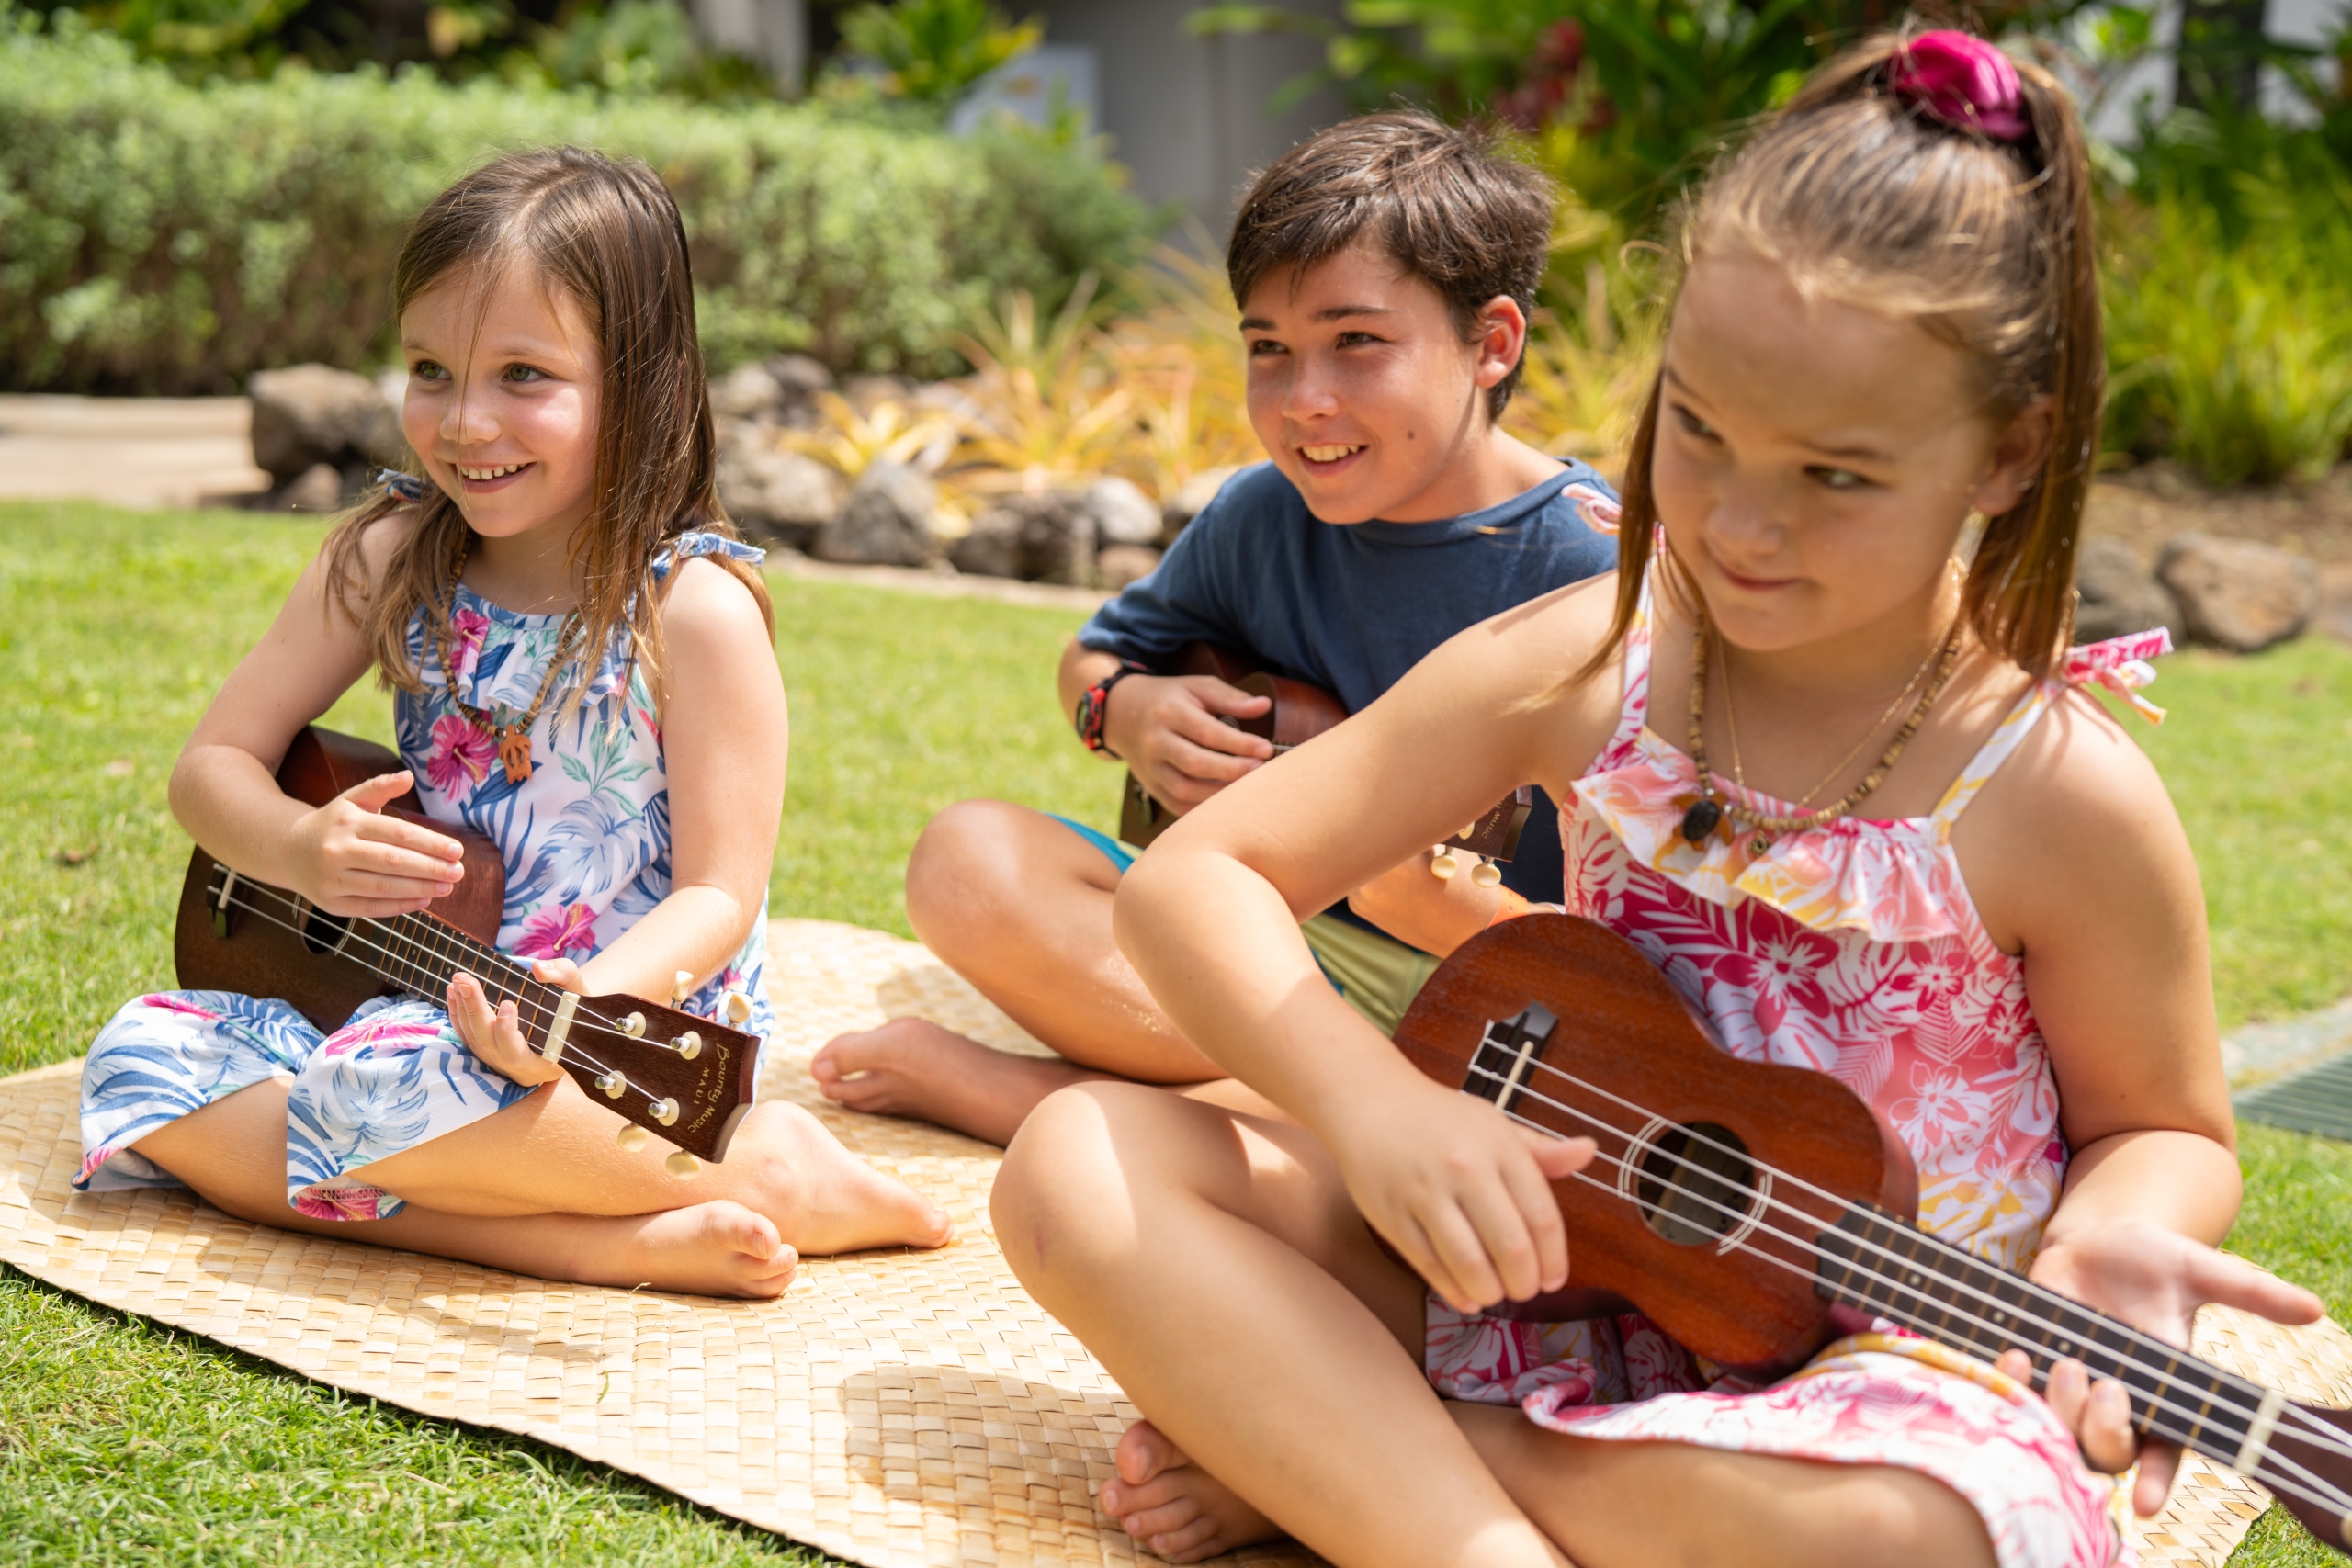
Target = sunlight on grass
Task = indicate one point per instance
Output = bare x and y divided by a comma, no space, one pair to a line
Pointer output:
120,1443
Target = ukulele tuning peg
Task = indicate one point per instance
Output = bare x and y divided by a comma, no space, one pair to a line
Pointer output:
665,1111
689,1044
682,1165
1485,873
612,1085
1467,831
739,1008
682,987
633,1138
1444,865
634,1026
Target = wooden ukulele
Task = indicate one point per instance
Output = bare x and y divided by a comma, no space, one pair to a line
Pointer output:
1748,1207
1297,714
686,1080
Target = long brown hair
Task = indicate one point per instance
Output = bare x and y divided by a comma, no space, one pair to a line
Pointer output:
606,231
1865,197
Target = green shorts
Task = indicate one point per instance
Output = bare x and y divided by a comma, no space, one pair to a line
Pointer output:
1376,974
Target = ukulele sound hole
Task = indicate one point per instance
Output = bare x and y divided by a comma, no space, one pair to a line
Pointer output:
1692,1192
322,932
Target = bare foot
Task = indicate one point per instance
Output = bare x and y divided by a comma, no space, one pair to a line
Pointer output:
1174,1506
911,1067
719,1248
824,1198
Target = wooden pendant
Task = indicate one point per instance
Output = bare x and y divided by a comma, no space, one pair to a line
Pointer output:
515,752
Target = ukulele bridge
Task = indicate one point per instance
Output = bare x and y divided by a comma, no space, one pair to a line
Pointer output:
1507,1054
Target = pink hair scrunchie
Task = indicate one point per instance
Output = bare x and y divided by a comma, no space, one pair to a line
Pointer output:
1962,81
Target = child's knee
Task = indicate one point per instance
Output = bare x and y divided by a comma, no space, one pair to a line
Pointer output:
1064,1192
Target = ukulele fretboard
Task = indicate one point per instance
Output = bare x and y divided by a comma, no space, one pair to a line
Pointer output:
1892,1270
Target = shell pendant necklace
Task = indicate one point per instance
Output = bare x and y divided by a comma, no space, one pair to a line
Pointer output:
1709,811
514,737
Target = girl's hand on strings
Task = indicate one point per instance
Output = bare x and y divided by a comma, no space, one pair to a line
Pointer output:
495,1035
2155,1279
356,861
1461,1193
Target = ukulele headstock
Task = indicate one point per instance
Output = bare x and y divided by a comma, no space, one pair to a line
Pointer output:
684,1078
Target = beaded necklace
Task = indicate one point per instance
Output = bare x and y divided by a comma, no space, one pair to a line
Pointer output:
513,737
1707,813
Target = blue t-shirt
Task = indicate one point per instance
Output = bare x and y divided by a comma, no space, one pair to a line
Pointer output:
1349,608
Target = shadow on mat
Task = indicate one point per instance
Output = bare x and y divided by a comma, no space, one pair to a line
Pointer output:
933,1434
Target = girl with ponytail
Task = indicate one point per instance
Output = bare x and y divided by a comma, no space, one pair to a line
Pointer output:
1871,826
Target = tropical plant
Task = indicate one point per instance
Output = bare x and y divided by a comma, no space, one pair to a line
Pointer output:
157,236
2229,302
1045,407
931,50
849,441
1179,352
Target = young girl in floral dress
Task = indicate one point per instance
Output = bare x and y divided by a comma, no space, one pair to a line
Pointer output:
584,673
1827,762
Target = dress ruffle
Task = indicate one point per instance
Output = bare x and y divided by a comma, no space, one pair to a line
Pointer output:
1890,880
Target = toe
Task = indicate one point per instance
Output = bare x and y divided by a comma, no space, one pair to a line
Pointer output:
1191,1544
1152,1524
1143,1451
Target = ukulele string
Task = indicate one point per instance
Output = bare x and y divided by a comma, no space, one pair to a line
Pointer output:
2320,1434
2049,1301
1740,1215
390,955
584,1017
2283,1473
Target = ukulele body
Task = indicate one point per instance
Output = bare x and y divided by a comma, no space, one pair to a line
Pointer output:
1708,1277
1297,714
630,1055
227,950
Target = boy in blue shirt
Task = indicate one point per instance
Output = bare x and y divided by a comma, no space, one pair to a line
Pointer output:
1386,268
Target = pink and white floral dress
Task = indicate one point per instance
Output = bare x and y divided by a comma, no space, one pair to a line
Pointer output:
1853,950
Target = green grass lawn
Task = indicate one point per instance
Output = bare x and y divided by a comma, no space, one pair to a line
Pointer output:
124,1441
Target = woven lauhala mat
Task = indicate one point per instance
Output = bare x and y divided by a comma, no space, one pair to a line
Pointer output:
895,1409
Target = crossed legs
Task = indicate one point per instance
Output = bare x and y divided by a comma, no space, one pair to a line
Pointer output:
1016,903
539,1189
1214,1263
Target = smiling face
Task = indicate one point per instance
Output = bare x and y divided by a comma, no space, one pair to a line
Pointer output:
1816,460
1365,395
502,402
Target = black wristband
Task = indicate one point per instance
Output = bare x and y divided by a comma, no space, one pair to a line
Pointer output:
1096,699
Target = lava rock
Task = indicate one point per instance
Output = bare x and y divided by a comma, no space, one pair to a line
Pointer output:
309,414
800,376
2238,594
1048,537
747,392
1119,564
318,488
785,497
886,521
1123,514
2119,595
867,393
1191,497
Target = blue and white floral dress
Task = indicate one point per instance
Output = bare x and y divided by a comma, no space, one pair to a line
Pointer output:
586,842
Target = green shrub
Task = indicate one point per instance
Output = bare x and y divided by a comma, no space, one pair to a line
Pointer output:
2229,304
162,237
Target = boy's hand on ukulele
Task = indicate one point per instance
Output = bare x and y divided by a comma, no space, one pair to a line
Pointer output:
2155,1279
357,862
1461,1193
1170,731
495,1034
